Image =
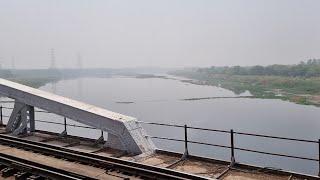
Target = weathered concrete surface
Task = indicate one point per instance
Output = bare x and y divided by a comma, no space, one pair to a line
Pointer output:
81,169
125,132
21,120
159,160
201,168
236,175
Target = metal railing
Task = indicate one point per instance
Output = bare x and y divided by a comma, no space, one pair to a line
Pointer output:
232,146
65,124
186,141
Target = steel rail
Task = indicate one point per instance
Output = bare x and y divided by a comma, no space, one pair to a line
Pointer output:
97,160
39,169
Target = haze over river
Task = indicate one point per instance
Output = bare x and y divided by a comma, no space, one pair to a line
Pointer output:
160,100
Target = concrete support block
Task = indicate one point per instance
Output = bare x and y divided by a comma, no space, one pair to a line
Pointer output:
21,119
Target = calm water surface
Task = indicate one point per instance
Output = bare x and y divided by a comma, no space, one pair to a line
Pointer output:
159,100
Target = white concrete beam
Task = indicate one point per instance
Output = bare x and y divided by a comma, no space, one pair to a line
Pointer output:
123,128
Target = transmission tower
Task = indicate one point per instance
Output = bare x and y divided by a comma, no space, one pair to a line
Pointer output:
13,64
53,59
0,62
79,61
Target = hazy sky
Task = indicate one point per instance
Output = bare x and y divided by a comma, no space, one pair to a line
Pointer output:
165,33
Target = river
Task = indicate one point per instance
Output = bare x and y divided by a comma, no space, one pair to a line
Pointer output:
161,100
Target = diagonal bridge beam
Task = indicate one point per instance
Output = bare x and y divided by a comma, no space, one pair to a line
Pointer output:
124,132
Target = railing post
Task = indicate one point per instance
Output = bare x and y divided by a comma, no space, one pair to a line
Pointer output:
65,124
64,133
1,114
186,151
100,140
233,161
319,156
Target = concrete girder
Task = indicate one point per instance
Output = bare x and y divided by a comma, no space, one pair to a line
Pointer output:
21,119
125,132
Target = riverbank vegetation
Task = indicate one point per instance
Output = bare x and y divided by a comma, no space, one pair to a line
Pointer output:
39,77
298,83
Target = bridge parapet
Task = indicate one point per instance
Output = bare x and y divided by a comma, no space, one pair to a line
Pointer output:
124,132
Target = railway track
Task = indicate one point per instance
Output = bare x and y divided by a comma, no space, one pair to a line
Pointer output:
23,169
108,163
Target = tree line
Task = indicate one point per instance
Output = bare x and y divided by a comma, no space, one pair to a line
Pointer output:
309,68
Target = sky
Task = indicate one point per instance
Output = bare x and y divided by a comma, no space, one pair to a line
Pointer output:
158,33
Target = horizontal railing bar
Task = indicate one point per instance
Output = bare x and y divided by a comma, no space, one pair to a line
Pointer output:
209,144
4,107
6,101
40,111
49,122
86,127
193,142
161,124
275,154
276,137
213,130
206,129
224,131
72,125
164,138
240,133
237,148
202,143
197,128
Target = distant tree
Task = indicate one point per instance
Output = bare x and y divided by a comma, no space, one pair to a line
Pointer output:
310,68
257,70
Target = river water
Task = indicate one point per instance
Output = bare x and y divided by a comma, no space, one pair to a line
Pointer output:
160,100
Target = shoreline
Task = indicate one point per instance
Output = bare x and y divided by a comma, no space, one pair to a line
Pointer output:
247,83
226,82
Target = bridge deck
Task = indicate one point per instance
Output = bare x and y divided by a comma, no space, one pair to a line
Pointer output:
209,169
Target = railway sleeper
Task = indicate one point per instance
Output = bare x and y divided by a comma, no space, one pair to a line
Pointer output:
7,172
22,175
36,177
2,167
